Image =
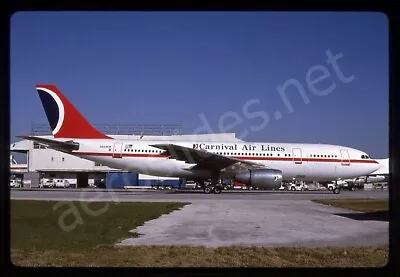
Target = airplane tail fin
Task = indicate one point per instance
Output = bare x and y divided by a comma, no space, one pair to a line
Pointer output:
64,119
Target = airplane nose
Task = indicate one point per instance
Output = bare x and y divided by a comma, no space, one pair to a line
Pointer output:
375,166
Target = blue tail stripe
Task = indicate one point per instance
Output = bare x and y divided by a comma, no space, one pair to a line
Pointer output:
50,107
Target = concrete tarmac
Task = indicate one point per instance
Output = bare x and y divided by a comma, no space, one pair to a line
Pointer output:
260,223
242,218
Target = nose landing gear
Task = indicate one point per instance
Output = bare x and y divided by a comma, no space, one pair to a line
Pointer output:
337,188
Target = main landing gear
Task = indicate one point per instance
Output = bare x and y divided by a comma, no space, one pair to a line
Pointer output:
212,188
337,188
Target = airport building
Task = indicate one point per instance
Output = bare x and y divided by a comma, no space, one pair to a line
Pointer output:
47,167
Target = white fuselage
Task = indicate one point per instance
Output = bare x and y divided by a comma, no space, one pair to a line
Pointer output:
309,162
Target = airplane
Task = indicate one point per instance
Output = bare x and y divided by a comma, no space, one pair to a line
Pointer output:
261,165
378,176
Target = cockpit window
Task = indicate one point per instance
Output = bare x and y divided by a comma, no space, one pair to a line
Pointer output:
362,156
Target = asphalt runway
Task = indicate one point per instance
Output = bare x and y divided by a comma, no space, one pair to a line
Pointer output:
184,196
242,218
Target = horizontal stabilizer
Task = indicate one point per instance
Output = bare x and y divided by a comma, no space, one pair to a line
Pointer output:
65,146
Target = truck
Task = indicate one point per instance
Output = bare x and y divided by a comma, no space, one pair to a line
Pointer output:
15,184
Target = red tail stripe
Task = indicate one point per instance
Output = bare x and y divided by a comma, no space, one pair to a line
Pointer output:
75,125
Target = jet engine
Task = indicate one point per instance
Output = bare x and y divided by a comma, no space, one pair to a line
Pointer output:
267,179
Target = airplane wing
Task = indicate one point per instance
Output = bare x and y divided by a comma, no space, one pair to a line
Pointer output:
206,160
64,146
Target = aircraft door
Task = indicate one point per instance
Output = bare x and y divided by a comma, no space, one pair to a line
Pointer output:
345,157
117,150
297,157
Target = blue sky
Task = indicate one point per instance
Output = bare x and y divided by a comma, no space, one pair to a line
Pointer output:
211,71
